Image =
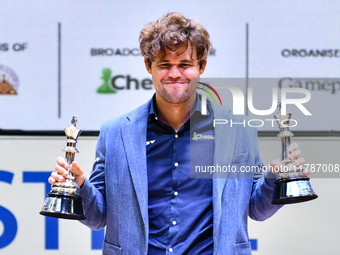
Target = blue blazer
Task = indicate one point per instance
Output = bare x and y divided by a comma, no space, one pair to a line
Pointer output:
116,194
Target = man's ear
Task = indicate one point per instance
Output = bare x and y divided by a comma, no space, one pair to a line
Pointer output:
202,66
147,66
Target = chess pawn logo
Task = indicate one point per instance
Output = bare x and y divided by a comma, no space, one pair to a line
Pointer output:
105,88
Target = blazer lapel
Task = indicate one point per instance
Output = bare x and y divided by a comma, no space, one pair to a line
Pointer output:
134,140
225,139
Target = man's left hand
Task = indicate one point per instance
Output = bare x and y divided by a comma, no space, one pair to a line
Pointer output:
294,155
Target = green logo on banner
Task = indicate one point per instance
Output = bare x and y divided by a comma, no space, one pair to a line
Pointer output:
105,88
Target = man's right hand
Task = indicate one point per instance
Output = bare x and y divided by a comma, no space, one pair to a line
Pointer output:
61,172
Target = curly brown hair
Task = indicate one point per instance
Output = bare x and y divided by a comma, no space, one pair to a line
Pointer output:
173,32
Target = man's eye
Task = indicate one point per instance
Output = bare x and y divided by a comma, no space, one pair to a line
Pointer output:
164,66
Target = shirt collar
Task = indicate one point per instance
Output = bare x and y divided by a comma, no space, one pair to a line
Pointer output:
153,106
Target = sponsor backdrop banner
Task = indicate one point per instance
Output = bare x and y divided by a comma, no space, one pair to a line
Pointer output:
61,58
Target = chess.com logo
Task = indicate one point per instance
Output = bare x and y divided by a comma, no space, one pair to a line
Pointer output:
112,84
200,136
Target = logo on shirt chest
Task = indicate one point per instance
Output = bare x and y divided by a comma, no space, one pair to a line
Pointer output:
200,136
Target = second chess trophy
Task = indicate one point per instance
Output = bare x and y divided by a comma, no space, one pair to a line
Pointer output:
291,185
63,201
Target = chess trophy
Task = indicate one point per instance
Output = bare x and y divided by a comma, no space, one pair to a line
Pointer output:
291,185
63,201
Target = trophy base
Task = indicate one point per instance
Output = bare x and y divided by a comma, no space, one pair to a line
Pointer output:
63,206
293,190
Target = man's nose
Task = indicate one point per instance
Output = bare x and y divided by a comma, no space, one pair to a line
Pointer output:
174,72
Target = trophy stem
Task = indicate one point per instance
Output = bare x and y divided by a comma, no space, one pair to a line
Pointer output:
285,141
69,159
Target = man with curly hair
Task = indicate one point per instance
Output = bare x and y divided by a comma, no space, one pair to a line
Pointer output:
140,187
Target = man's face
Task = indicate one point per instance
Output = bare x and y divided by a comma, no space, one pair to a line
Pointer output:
171,75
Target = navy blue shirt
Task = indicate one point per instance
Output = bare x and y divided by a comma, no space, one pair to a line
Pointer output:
180,207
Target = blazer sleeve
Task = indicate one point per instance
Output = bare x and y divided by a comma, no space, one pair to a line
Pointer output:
93,190
261,207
